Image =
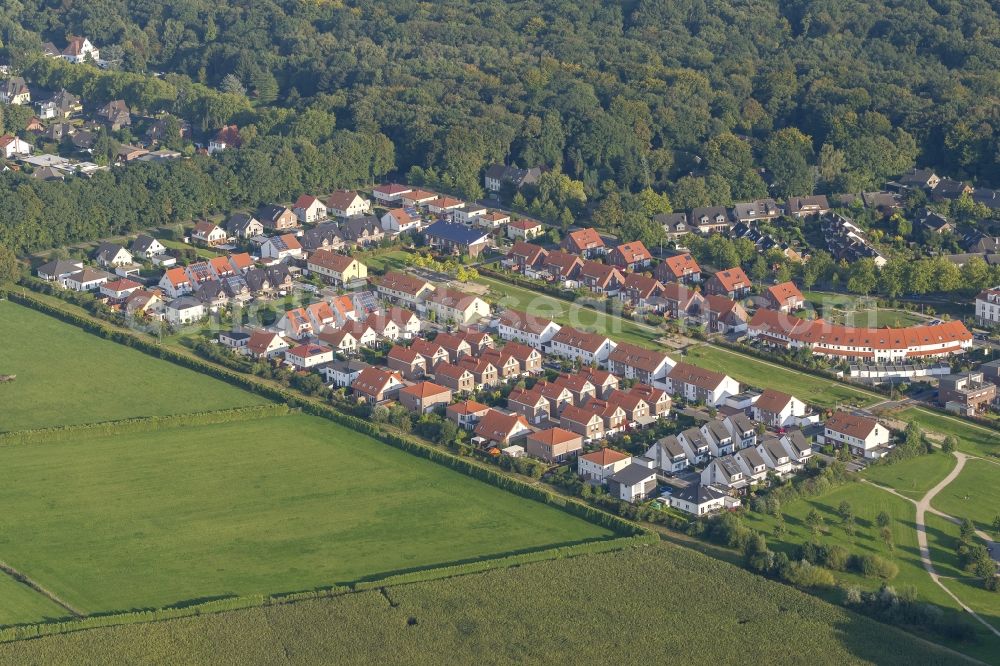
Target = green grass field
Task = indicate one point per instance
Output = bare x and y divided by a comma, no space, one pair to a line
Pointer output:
913,477
841,309
66,376
810,388
381,260
203,252
639,604
866,502
975,494
270,505
563,312
973,439
19,604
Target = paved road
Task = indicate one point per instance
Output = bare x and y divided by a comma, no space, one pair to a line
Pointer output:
923,507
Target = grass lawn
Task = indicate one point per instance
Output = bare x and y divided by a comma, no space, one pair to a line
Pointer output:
974,439
810,388
203,252
263,506
943,539
975,494
840,308
384,260
867,502
913,477
19,604
500,613
565,313
68,376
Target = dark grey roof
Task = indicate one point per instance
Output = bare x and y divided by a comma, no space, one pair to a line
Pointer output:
797,440
108,250
142,243
718,430
751,457
455,233
710,212
632,475
236,335
184,302
209,291
729,465
671,446
355,226
742,422
257,279
238,222
270,213
59,267
321,234
699,494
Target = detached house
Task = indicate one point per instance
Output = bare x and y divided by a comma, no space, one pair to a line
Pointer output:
58,270
466,414
601,278
399,220
14,91
87,279
424,397
784,297
115,115
700,385
346,203
807,206
390,193
112,254
451,238
376,385
584,242
554,444
264,345
679,268
599,466
175,282
778,410
309,209
631,256
699,499
402,288
242,225
280,248
724,315
308,355
732,283
362,230
227,137
11,145
80,49
208,234
277,218
455,306
147,246
634,483
336,268
680,301
501,429
864,435
499,175
524,229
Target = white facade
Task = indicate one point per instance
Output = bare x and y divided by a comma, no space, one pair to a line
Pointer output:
585,356
593,471
988,307
536,340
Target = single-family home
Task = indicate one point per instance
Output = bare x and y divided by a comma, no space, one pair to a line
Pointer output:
500,175
678,301
184,310
80,49
265,344
227,137
720,441
597,467
612,415
340,340
403,288
631,256
114,115
600,278
146,246
743,430
441,205
407,362
417,197
679,268
376,385
586,243
346,203
807,206
362,230
470,213
451,238
641,292
58,270
309,209
699,499
635,362
699,385
732,283
775,456
456,345
458,378
117,291
778,410
424,397
752,463
524,229
784,297
432,353
529,403
562,268
390,193
466,414
634,483
112,254
554,444
208,234
175,282
484,372
449,305
864,435
244,225
277,218
498,428
14,91
341,374
710,219
308,355
529,359
722,314
725,472
507,366
399,220
282,247
526,258
582,421
798,446
87,279
336,268
669,455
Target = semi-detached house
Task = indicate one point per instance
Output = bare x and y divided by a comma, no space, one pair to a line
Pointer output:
700,385
863,434
576,345
635,362
537,332
402,288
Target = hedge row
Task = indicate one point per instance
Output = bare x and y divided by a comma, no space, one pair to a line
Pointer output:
143,424
409,444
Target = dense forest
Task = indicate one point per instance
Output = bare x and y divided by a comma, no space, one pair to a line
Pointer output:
711,101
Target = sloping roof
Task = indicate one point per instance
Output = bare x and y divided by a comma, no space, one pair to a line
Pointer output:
782,293
632,475
605,456
525,322
772,401
584,239
424,390
635,356
732,279
633,252
553,437
331,260
682,264
467,407
700,377
572,337
852,425
496,425
341,199
456,233
408,284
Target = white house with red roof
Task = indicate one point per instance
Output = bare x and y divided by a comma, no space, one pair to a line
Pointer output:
79,49
118,290
390,192
264,344
700,385
175,282
577,345
308,355
208,233
282,247
534,331
399,220
11,145
864,435
778,410
600,465
524,229
309,209
377,385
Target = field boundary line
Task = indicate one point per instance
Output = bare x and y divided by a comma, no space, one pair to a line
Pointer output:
25,580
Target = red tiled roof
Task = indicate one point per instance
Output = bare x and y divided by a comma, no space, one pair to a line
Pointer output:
633,252
682,264
424,390
733,279
772,401
605,457
572,337
851,424
700,377
583,239
785,292
553,437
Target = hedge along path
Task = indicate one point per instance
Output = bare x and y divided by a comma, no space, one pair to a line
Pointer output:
21,578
